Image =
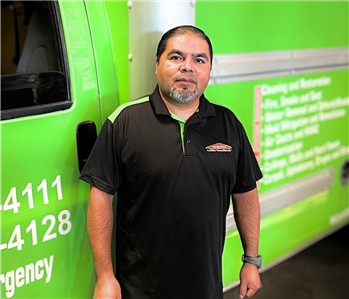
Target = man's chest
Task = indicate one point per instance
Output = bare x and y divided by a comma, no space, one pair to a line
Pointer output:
166,148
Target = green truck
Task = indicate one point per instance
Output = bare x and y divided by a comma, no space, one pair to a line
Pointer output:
282,67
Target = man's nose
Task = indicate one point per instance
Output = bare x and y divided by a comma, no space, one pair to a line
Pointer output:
186,66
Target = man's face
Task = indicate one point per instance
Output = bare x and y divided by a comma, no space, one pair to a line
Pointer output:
183,70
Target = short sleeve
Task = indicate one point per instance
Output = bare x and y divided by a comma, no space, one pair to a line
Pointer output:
102,168
248,171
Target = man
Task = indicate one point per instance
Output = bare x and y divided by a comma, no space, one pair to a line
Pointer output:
174,159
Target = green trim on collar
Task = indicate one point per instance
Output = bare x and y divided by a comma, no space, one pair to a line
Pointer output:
181,125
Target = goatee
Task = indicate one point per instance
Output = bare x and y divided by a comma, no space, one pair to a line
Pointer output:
183,96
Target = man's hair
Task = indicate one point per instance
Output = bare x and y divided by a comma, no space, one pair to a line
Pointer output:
182,30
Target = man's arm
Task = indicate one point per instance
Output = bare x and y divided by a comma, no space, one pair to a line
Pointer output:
247,218
100,227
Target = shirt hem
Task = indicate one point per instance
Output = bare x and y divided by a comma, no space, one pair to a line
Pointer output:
97,184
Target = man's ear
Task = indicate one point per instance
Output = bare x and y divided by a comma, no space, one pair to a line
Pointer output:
156,65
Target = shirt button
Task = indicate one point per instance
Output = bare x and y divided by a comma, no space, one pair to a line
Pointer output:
188,141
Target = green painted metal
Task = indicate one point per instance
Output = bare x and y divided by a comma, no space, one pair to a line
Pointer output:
43,147
259,26
246,27
104,57
117,12
286,230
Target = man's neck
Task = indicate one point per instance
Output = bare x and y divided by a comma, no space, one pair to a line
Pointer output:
182,110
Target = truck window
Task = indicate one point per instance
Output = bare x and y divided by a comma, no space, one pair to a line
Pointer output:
34,70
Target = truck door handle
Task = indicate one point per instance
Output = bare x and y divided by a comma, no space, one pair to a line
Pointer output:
86,135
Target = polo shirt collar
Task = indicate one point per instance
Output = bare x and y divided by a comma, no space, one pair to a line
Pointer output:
206,109
157,103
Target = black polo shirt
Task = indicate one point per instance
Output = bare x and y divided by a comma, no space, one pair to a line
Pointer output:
172,196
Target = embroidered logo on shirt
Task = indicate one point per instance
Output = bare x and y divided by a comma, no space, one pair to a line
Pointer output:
219,147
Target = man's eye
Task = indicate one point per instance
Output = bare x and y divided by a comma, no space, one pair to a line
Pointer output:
175,58
199,60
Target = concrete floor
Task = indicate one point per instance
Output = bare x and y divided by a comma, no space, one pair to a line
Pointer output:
319,272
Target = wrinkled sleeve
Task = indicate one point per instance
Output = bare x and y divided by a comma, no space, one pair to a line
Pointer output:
102,169
248,171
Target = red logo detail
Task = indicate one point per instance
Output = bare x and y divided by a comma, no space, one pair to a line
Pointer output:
219,147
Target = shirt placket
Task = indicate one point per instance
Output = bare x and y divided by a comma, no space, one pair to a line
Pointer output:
181,124
188,138
185,132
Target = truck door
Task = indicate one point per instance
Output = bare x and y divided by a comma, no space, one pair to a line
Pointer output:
49,89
